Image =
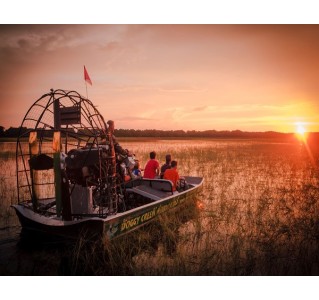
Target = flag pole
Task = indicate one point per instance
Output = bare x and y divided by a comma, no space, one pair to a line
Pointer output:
86,87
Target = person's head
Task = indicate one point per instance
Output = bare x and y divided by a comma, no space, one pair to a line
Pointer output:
111,125
137,165
168,158
152,155
174,164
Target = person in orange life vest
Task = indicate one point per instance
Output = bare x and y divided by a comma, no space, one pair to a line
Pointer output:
172,175
152,167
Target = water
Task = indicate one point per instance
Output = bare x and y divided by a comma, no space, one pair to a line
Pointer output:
258,214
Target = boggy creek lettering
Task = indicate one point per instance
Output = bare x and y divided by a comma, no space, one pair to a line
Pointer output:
133,222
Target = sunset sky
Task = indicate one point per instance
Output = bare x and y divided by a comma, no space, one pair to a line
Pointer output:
190,77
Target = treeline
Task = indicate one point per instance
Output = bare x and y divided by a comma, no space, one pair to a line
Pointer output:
202,134
14,132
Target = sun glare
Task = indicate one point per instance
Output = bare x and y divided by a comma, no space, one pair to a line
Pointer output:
301,131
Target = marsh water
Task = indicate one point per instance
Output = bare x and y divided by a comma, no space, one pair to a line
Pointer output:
257,214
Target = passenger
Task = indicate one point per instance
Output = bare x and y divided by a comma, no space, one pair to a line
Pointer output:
152,167
166,166
118,149
172,175
124,158
137,172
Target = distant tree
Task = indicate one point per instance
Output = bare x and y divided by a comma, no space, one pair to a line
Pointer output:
2,131
14,131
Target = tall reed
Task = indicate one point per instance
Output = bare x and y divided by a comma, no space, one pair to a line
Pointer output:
257,214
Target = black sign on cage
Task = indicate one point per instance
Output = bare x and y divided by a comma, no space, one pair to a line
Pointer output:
70,115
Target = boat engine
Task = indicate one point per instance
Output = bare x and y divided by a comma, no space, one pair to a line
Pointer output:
84,166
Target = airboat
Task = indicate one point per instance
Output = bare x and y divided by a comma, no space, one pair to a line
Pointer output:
74,178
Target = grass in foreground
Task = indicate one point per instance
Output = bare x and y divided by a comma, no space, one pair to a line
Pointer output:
259,216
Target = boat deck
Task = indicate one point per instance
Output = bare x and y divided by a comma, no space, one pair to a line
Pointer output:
157,189
149,192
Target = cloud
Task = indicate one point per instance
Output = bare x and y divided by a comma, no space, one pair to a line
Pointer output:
137,118
199,108
171,76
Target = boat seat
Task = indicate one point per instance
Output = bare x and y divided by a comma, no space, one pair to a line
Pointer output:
159,184
149,192
162,185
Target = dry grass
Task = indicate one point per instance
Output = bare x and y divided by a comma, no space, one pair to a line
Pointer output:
8,193
260,215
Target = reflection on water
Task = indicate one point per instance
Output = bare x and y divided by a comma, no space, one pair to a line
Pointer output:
258,214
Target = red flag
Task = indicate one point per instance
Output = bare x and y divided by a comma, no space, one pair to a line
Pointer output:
87,77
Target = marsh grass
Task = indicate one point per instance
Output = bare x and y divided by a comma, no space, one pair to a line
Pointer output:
8,193
258,214
138,253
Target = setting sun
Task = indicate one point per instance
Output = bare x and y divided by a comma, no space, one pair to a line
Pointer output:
178,66
300,129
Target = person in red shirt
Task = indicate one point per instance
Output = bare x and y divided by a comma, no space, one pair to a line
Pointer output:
172,175
152,167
